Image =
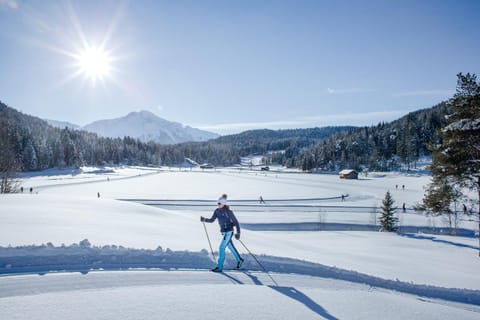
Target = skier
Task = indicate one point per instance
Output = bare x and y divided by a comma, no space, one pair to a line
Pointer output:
261,200
226,220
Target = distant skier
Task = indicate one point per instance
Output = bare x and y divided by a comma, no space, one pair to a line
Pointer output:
343,197
404,208
261,200
227,222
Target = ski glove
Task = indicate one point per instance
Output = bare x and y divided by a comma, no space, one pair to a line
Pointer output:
237,236
203,219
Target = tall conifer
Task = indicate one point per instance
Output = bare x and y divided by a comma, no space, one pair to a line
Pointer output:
457,157
388,221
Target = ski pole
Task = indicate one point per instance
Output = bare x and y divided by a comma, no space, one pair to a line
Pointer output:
209,243
268,274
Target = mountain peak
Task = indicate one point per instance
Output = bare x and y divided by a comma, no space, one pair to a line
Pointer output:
147,126
142,113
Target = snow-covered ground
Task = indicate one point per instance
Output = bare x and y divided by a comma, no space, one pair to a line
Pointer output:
323,256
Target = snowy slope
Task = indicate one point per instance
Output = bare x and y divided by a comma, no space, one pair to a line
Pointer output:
338,274
146,126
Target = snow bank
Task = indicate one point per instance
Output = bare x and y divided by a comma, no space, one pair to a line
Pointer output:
84,257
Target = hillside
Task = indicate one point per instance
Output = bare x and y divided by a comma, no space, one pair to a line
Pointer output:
35,145
265,140
386,146
29,143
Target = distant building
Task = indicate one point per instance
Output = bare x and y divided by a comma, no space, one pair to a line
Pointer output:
206,166
188,163
348,174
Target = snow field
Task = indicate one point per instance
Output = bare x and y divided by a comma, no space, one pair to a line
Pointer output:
194,295
319,273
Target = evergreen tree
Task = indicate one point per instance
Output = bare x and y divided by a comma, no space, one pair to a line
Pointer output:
388,220
8,163
457,157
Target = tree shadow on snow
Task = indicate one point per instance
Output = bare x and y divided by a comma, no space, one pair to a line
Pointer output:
336,226
433,239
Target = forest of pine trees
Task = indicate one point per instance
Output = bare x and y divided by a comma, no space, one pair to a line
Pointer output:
384,147
29,143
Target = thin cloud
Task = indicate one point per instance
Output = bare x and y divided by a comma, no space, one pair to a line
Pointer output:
426,93
243,126
334,91
351,118
10,4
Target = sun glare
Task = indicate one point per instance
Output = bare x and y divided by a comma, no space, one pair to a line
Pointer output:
94,63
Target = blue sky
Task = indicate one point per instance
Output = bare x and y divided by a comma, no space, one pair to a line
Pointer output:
228,66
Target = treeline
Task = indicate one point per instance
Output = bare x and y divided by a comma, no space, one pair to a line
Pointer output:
29,143
383,147
289,141
32,144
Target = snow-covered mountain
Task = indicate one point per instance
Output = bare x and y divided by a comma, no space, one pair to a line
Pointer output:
146,126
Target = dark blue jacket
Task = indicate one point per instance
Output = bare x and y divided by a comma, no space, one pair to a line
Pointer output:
226,219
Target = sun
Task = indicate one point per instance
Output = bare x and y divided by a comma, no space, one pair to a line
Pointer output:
94,63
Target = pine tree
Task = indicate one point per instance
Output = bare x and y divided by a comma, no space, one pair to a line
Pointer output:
457,157
8,163
388,220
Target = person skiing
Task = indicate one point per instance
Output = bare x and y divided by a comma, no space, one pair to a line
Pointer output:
227,221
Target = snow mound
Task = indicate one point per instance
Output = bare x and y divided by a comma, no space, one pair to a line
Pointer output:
84,257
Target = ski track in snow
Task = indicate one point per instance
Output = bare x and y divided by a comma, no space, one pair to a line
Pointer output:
97,180
84,258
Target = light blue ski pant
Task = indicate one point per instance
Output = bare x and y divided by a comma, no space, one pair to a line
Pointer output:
226,242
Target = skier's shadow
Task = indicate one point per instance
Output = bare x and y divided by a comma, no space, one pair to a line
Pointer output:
290,292
293,293
233,279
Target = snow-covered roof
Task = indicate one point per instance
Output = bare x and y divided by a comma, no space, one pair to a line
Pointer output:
346,171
